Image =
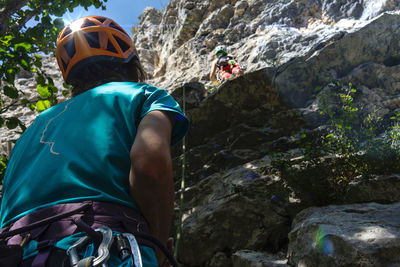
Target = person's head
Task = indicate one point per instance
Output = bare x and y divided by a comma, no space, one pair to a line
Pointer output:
220,50
94,50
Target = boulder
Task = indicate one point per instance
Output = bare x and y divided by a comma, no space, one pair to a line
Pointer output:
381,188
248,258
346,235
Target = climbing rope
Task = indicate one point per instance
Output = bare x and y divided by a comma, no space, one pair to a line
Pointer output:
179,232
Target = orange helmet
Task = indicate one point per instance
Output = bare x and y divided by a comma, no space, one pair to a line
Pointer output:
89,40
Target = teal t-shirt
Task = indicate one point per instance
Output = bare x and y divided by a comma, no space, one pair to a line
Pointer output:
79,149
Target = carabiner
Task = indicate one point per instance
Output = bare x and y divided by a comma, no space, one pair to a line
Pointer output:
103,252
136,256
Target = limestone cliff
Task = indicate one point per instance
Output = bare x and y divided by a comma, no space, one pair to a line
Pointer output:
235,213
180,42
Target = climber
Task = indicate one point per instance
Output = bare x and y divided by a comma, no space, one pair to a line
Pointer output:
226,65
97,162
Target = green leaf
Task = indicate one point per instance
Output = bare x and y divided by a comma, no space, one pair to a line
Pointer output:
10,75
22,126
32,106
42,105
43,91
6,39
12,123
26,46
65,92
53,89
40,80
24,64
38,63
318,88
59,23
1,122
10,92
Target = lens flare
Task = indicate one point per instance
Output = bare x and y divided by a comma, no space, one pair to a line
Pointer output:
322,242
76,25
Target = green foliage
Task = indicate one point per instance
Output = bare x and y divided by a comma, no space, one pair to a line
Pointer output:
352,147
20,47
3,167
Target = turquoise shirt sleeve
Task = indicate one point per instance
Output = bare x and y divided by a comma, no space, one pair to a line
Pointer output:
159,99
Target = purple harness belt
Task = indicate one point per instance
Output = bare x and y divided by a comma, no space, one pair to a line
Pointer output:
53,223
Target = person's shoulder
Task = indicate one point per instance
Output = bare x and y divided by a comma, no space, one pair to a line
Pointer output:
120,88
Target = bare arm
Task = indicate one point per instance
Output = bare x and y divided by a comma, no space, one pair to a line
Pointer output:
151,182
213,70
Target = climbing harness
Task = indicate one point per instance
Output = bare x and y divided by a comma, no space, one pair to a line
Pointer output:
48,232
103,252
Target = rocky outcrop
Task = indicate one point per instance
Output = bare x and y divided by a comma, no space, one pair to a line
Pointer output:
350,235
259,33
26,85
259,113
233,210
381,189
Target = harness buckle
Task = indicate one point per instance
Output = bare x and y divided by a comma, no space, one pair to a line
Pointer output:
103,252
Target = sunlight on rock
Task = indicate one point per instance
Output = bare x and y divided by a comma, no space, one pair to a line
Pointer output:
373,234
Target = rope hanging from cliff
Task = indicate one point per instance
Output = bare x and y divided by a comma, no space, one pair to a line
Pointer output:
179,231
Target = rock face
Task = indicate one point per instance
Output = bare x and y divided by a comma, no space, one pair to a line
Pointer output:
25,83
235,212
350,235
259,33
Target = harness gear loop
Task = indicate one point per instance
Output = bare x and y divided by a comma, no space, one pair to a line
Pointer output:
136,256
103,251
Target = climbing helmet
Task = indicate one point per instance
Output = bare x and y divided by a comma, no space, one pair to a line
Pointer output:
89,40
220,49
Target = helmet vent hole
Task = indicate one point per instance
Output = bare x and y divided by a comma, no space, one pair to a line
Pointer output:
112,25
67,31
88,23
70,48
122,44
93,39
111,48
101,20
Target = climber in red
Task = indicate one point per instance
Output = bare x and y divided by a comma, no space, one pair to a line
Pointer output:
225,63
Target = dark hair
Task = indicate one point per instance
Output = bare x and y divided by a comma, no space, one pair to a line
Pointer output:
92,75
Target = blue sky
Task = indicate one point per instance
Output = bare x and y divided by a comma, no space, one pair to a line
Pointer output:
124,12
